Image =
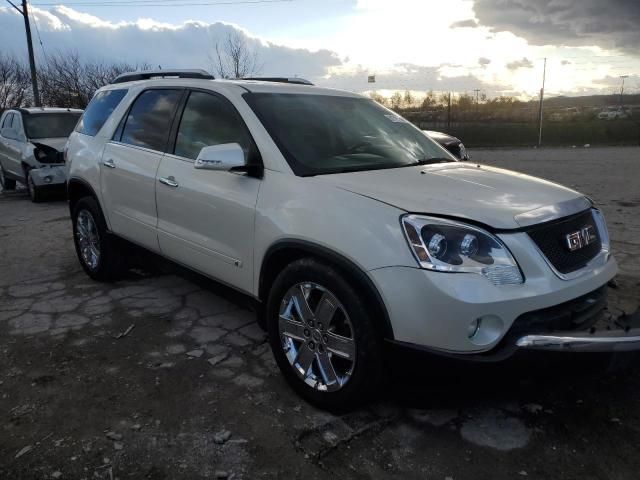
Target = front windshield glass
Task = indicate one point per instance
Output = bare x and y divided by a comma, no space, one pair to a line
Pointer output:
50,125
322,134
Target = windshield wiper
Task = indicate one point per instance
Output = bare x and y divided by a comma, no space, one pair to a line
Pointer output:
430,161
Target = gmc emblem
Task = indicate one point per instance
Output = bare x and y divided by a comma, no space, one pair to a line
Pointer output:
581,238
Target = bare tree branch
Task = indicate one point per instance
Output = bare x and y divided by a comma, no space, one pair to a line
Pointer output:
234,58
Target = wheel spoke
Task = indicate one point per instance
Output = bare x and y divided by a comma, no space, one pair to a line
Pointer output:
326,369
341,346
326,309
304,359
302,306
291,328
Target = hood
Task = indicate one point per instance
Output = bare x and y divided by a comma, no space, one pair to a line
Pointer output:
57,143
488,195
441,137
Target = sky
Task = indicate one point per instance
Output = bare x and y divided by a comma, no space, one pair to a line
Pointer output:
495,46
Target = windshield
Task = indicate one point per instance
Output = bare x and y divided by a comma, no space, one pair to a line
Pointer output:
322,134
50,125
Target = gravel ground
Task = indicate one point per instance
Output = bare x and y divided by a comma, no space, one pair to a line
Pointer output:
165,375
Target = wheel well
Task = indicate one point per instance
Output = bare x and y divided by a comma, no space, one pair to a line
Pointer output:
279,256
77,189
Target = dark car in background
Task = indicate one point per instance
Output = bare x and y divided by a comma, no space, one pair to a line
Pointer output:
452,144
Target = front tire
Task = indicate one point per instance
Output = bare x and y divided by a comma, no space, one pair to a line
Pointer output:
35,193
6,183
323,337
98,250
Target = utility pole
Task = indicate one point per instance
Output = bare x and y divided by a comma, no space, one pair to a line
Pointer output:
622,88
32,62
544,74
449,114
477,90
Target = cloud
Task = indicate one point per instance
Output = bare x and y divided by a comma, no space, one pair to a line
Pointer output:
469,23
565,62
516,64
186,45
608,24
484,61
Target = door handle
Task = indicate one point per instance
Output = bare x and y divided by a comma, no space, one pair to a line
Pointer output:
169,181
109,163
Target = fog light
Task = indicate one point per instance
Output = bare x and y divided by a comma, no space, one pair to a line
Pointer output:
473,328
47,179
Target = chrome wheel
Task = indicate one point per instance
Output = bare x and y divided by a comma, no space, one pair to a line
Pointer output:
88,239
317,336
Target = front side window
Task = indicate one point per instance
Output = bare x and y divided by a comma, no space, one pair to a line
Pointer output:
149,119
323,134
48,125
98,111
209,120
6,123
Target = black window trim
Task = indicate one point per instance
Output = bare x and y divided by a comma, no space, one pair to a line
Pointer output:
257,166
123,120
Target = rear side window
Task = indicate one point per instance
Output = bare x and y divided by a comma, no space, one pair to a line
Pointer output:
209,120
149,119
98,111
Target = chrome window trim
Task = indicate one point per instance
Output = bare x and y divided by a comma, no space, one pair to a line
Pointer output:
552,212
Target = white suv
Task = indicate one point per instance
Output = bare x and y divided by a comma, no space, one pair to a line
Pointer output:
352,228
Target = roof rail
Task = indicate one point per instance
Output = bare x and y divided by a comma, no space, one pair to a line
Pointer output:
147,74
296,80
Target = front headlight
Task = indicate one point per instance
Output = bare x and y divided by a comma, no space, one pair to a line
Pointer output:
448,246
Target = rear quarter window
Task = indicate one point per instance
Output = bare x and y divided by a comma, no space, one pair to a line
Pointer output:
98,111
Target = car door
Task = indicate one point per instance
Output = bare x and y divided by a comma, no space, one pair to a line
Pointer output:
205,217
7,118
130,162
11,147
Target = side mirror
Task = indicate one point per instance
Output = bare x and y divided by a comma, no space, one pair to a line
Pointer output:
8,132
224,157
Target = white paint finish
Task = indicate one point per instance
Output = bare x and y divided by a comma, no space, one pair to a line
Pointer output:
307,208
211,220
434,309
484,194
128,192
207,221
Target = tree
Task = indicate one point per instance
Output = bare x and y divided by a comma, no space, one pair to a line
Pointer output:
234,58
15,82
381,99
66,80
396,100
407,99
429,101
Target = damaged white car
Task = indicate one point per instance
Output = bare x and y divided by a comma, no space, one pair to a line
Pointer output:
31,145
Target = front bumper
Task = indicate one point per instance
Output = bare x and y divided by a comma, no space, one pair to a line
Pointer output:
436,310
616,341
49,176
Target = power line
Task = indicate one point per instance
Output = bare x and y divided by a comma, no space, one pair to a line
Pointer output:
143,3
35,22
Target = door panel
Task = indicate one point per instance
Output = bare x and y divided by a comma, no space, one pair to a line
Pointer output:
207,221
128,191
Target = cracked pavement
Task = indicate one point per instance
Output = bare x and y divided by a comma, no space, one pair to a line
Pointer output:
166,375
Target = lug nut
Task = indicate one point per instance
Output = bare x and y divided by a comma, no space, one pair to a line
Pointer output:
311,323
320,325
312,345
306,332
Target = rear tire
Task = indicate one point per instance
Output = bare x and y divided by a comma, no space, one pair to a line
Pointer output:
35,192
98,250
6,183
330,353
